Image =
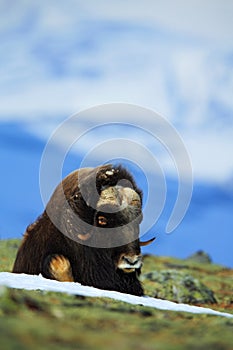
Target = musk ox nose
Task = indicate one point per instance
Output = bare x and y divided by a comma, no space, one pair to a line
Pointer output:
128,263
131,260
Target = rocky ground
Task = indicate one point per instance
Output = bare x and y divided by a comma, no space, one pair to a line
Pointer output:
36,320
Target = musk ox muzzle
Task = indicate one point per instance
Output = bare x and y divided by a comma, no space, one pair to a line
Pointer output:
129,263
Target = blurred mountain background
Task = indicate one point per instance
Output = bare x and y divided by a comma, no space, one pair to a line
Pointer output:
176,57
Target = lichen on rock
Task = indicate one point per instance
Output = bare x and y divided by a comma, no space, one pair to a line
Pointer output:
179,287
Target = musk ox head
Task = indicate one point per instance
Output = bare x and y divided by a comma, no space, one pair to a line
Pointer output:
103,208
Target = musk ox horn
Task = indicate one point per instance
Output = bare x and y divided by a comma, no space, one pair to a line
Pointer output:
132,197
109,197
143,244
118,197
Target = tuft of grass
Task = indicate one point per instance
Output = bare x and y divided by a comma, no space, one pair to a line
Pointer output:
36,319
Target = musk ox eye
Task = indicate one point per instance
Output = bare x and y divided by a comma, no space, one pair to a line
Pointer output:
75,196
102,221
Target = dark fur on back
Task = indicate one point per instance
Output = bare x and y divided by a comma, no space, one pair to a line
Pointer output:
52,233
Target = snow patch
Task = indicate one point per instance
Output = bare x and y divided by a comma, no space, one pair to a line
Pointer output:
33,282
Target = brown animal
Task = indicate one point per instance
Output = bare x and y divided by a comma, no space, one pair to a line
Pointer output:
89,232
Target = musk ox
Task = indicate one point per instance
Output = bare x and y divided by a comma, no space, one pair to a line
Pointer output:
89,232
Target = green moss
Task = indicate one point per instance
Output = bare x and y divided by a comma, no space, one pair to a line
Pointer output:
8,249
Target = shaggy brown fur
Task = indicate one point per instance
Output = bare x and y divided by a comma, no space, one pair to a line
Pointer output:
69,241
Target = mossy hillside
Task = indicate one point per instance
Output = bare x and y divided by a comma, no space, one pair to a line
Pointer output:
171,272
8,250
35,319
179,287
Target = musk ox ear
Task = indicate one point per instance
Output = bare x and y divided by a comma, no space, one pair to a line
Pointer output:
143,244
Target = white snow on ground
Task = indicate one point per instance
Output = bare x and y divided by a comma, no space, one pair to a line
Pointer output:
33,282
